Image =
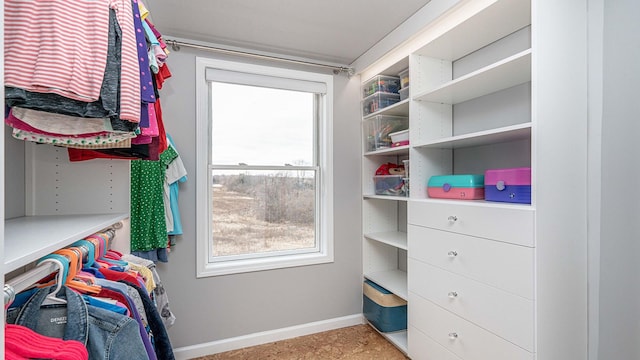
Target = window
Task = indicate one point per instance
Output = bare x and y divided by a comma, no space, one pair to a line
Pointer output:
264,183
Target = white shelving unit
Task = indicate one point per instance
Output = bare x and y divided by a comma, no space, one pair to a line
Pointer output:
506,73
456,132
492,136
400,150
393,280
30,237
60,202
393,238
493,85
398,109
384,216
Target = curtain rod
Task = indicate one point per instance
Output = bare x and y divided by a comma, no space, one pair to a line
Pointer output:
176,44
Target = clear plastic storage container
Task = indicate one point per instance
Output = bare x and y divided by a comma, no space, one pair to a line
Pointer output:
404,94
392,185
377,130
381,83
404,79
378,101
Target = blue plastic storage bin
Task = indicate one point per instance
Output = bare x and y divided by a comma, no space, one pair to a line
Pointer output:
383,309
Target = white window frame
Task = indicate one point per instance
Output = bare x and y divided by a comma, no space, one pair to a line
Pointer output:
324,216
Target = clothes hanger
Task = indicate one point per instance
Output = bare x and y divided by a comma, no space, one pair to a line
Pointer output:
61,277
74,255
103,240
89,257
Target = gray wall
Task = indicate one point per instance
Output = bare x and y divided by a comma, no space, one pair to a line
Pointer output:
222,307
619,330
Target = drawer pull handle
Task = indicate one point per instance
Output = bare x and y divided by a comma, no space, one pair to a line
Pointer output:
453,294
452,219
452,253
453,336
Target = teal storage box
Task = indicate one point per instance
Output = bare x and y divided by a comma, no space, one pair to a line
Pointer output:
462,187
383,309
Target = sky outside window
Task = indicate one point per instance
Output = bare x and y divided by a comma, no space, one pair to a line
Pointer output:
261,126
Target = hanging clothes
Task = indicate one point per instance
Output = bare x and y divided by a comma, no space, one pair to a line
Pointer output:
112,283
130,75
148,226
160,295
175,174
53,64
111,83
106,335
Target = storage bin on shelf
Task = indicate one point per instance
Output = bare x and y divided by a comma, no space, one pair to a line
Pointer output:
404,78
381,83
462,187
383,309
378,128
405,163
404,94
389,185
378,101
399,138
511,185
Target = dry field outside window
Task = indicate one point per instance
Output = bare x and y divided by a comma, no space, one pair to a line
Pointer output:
259,214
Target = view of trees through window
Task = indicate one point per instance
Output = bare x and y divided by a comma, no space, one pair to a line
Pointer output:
254,213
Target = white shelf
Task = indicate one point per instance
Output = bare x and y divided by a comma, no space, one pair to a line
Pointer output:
31,237
397,338
479,203
503,74
399,150
394,238
493,136
496,21
392,280
386,197
398,109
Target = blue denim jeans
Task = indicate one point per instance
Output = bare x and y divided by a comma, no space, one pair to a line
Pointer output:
107,335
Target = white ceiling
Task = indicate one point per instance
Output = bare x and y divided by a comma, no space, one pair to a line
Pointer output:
337,31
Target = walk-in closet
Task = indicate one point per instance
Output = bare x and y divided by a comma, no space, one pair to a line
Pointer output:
277,179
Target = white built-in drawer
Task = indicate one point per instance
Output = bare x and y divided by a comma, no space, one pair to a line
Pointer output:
506,266
503,222
461,337
422,347
502,313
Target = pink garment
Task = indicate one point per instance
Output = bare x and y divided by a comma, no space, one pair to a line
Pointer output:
141,139
59,62
152,130
23,343
16,123
10,355
130,76
160,55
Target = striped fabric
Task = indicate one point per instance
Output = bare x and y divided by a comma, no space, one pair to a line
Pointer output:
56,46
130,76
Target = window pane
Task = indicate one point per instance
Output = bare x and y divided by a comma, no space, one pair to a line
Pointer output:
260,211
261,126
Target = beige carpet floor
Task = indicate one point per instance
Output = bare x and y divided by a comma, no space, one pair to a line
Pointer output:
358,342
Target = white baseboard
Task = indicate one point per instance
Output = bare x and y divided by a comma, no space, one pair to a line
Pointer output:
214,347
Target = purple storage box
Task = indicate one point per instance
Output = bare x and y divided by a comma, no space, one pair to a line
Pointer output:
508,185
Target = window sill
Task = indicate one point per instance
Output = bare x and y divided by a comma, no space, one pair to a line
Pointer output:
260,264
